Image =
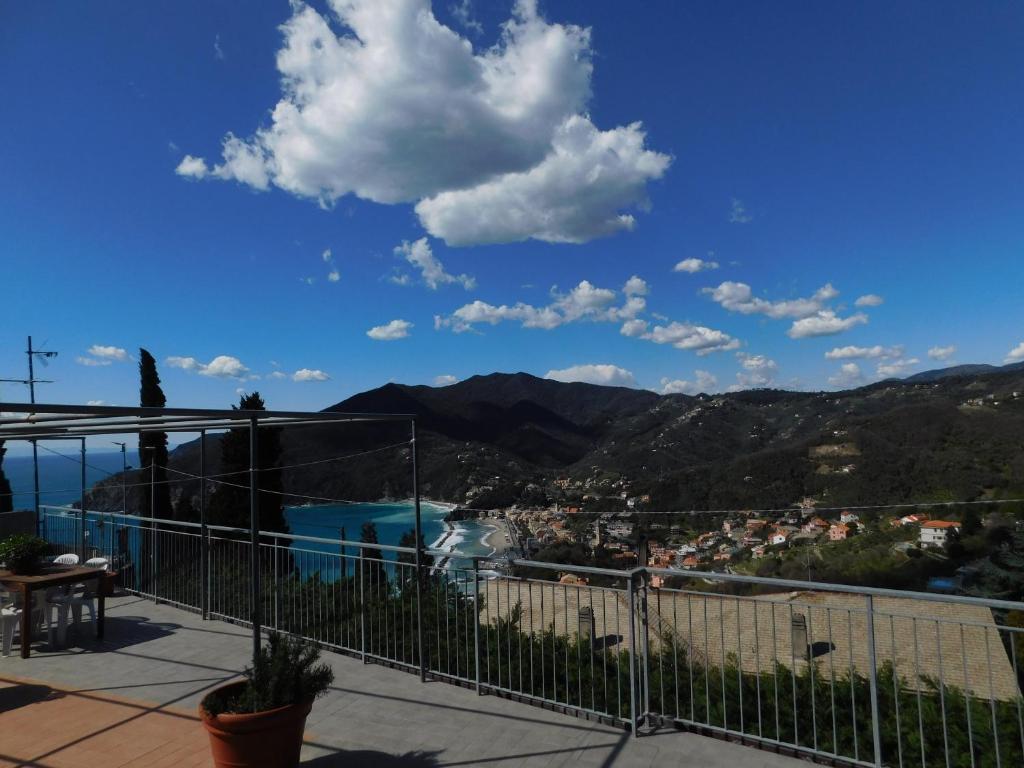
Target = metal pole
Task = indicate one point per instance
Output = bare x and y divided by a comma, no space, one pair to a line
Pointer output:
632,658
419,558
81,534
362,609
124,481
876,726
254,537
35,445
204,533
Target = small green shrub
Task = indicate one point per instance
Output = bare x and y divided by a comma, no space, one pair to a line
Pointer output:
22,552
286,672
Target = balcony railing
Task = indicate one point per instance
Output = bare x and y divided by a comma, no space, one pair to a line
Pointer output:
859,676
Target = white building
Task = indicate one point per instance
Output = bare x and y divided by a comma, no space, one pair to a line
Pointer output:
936,533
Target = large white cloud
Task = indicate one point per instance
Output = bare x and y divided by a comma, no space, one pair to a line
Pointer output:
396,329
579,192
420,255
738,297
108,352
1016,354
695,338
595,373
392,106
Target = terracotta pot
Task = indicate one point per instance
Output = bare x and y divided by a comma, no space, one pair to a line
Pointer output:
271,739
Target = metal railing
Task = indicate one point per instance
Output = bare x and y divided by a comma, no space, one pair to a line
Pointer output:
859,676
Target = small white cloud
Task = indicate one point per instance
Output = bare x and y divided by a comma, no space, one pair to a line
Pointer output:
694,265
696,338
277,375
307,280
634,327
635,286
218,52
108,353
396,329
221,367
444,380
758,371
91,361
1016,354
192,167
401,278
185,363
849,375
824,323
333,276
327,256
704,382
224,367
942,353
739,297
307,374
738,213
896,367
594,373
854,353
869,300
95,402
421,257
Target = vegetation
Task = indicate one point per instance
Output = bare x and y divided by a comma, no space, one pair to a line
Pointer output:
285,672
153,445
229,504
22,552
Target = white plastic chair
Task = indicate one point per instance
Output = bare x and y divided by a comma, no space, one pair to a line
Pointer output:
9,618
86,599
60,598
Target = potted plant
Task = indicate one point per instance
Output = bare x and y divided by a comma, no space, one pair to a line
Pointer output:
259,721
22,552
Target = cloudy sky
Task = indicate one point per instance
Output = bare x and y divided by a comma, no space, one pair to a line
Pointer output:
313,200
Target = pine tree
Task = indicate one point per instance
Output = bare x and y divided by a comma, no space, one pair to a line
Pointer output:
229,504
6,499
153,445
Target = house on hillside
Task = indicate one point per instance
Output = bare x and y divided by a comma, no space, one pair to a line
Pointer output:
848,517
838,532
937,533
815,525
913,519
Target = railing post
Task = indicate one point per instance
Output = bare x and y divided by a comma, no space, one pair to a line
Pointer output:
631,596
204,533
876,727
362,608
277,587
419,558
476,622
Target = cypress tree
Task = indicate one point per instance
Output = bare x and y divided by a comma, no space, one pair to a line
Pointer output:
153,445
229,504
6,499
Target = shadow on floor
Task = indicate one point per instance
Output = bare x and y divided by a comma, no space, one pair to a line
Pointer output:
367,758
120,632
23,694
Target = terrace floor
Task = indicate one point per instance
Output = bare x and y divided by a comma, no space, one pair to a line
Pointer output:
131,701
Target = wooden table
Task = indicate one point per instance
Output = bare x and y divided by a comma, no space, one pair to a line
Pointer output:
54,576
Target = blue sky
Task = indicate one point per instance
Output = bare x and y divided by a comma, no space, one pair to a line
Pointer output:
531,162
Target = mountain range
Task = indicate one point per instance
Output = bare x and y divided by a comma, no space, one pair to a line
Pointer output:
499,439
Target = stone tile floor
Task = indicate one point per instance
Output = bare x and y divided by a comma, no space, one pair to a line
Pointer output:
131,700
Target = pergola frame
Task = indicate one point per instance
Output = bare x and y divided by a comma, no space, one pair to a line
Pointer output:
47,421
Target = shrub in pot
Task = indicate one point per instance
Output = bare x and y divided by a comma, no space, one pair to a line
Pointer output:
258,722
22,552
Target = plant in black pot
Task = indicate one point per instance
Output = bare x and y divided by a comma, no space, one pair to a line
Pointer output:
259,721
23,553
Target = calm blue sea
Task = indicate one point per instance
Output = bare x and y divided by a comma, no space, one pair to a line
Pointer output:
60,478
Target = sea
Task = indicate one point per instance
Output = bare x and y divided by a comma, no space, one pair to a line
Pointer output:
60,485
